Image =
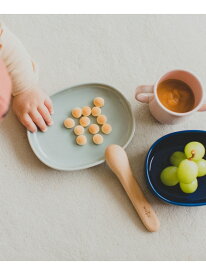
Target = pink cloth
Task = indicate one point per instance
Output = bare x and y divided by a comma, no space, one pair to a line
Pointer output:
5,89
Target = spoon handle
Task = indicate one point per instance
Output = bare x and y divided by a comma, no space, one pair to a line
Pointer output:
140,203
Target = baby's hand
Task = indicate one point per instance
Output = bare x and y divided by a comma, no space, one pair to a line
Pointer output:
34,110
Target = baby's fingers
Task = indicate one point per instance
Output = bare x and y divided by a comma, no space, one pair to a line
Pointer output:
28,123
38,120
44,112
48,104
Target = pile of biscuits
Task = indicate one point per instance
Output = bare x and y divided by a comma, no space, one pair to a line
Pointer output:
84,121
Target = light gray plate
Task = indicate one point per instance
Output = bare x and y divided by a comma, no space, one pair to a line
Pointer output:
57,147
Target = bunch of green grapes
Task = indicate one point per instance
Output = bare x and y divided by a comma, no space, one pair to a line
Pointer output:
186,167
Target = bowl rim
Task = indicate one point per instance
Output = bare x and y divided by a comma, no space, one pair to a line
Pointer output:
149,183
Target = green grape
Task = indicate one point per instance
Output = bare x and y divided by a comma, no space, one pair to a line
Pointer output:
176,158
187,171
201,164
189,188
169,176
194,150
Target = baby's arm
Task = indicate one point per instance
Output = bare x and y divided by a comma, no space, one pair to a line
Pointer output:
30,104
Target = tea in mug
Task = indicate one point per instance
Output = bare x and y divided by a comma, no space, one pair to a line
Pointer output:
176,95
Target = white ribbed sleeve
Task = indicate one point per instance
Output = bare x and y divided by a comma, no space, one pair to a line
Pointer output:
20,66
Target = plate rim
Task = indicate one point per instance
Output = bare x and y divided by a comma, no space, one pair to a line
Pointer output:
149,183
29,134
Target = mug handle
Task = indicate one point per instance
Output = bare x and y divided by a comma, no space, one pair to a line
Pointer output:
144,93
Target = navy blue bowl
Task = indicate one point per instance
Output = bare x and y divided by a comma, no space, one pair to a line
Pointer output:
158,158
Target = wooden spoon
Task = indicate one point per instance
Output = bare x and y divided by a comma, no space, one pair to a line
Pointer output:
117,160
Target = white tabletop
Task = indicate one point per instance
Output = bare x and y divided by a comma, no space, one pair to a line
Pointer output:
86,215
